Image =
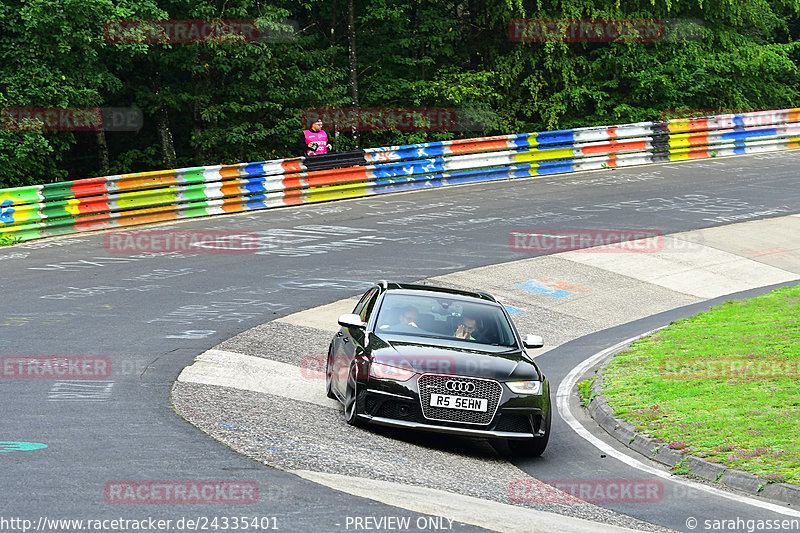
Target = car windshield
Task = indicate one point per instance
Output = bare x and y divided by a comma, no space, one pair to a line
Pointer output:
446,318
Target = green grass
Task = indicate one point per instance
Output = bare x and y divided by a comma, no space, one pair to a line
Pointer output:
8,241
723,385
681,469
585,391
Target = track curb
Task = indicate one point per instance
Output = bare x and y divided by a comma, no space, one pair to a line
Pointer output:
658,451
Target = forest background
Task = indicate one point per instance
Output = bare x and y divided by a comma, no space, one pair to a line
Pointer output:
228,101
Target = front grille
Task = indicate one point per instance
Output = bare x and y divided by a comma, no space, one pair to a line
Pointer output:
398,410
513,423
436,384
369,404
537,423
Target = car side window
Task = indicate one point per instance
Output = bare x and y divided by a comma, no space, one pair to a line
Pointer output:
357,310
367,311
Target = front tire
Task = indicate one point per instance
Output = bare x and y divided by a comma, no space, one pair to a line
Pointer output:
532,447
352,398
329,376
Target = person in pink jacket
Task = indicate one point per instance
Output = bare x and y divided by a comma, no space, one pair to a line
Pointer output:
315,140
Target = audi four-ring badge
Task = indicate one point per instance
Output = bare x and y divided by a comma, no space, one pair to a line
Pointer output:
459,386
435,359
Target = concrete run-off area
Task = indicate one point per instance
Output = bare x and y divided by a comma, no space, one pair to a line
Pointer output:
263,392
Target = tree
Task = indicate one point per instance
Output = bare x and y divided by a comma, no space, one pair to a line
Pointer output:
233,99
53,55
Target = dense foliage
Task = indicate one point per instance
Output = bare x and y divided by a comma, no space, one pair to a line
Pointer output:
236,100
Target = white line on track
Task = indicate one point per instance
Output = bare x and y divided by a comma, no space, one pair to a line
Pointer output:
562,400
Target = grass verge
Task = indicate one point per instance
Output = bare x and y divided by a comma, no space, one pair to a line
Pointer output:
585,391
723,385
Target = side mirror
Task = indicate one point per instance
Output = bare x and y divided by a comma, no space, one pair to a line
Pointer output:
351,320
533,341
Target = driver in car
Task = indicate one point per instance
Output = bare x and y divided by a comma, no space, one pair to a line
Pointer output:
466,328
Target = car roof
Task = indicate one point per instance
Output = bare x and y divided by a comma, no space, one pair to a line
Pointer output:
411,288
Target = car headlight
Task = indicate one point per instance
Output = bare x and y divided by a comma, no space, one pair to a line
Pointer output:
382,371
525,387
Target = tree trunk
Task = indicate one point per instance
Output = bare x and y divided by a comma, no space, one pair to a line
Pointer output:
102,153
331,65
203,153
162,126
165,138
351,34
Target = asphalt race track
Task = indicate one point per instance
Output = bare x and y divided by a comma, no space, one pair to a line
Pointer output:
150,314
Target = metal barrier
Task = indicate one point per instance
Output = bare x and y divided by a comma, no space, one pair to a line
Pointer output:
129,199
335,160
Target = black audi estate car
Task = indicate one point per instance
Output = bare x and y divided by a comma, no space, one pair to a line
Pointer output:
442,360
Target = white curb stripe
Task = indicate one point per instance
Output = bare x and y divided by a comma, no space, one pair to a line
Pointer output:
562,400
247,372
491,515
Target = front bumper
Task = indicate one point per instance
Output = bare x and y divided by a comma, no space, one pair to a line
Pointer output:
517,417
463,432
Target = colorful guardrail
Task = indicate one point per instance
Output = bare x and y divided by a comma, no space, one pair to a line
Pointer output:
128,199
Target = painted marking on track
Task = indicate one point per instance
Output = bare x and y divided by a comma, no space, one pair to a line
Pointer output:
85,292
10,446
565,389
165,273
551,287
539,287
76,266
336,284
50,244
15,255
19,321
70,391
192,334
236,309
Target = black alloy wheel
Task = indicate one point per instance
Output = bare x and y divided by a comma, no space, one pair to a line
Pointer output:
329,376
352,397
532,447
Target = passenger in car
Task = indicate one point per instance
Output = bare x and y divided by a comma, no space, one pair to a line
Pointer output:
409,316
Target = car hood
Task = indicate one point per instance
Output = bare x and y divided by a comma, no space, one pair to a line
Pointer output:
453,357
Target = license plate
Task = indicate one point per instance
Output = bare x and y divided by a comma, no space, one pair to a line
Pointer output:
459,402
